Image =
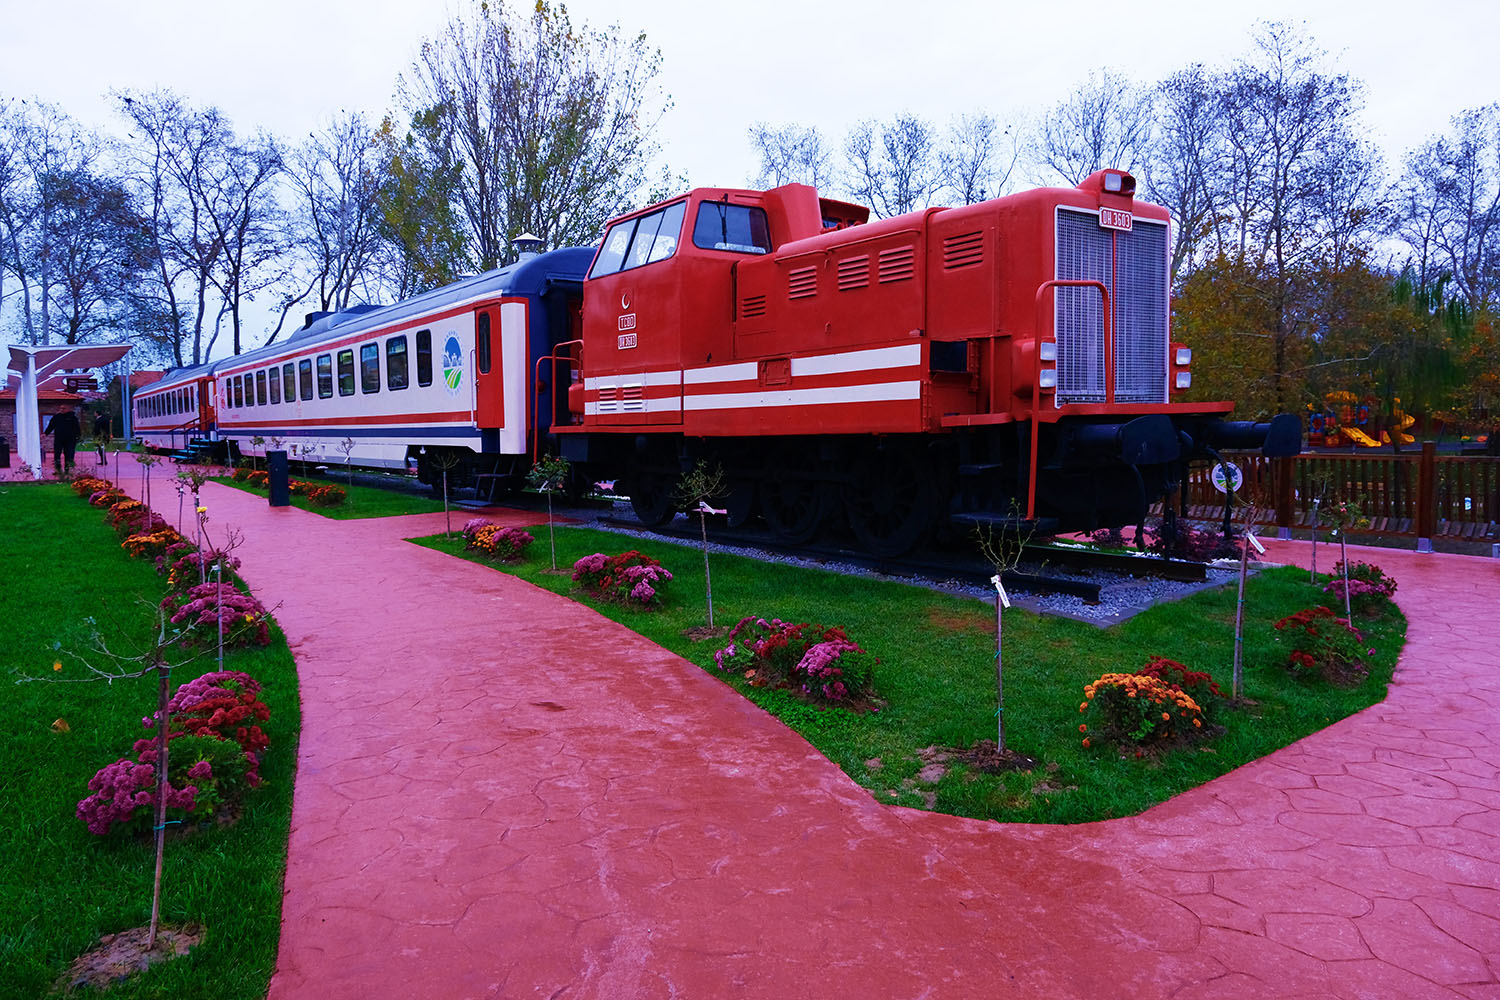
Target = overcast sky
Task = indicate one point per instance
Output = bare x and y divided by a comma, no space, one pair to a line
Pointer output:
286,65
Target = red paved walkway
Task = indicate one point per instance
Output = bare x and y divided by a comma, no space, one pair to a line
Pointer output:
501,794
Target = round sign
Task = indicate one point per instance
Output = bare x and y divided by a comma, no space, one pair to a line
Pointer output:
1222,483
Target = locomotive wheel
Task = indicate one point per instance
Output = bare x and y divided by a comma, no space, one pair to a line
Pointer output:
740,503
891,502
794,507
651,498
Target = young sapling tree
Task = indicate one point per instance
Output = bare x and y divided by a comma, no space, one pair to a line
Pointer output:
696,491
548,476
347,447
444,459
1002,549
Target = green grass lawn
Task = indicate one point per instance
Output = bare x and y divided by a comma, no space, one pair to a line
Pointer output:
61,887
363,501
937,676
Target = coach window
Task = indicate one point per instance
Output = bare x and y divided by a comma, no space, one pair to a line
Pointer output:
395,362
304,376
369,368
424,357
239,392
289,382
483,338
346,372
325,376
260,388
274,384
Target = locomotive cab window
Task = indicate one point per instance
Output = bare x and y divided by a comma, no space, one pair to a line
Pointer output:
346,372
638,242
325,376
424,357
737,228
369,368
305,378
395,362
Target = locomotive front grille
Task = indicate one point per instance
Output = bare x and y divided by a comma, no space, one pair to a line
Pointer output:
1133,266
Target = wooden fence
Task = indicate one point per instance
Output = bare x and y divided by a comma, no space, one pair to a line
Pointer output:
1420,494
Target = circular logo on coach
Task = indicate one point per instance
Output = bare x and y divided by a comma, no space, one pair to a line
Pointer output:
453,366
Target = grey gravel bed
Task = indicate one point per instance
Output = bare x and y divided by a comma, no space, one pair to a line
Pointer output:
1120,596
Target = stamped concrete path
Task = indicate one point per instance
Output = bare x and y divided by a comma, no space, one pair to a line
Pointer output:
502,794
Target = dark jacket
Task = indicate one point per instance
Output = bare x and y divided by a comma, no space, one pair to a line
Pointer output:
64,428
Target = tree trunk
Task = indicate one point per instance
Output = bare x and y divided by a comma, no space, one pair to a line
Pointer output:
163,672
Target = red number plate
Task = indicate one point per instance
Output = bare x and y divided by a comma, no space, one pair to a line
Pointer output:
1113,218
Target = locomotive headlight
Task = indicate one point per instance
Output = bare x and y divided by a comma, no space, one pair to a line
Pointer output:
1047,350
1184,379
1184,357
1047,378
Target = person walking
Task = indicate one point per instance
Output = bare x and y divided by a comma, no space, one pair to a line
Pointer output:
101,433
65,430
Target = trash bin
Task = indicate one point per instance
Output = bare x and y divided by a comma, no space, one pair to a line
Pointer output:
4,452
280,478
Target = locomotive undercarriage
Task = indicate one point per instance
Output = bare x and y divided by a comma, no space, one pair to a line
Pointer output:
890,491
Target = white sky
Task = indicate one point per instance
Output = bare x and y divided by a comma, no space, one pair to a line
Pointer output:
286,65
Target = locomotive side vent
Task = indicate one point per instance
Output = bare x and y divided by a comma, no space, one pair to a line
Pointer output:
632,397
609,399
896,264
1133,266
752,306
966,250
854,272
802,283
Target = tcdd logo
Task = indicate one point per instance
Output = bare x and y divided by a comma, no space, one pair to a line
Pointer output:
453,366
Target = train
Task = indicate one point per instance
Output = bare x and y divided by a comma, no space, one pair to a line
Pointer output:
1006,362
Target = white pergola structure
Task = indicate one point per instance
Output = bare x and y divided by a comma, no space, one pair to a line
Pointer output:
37,365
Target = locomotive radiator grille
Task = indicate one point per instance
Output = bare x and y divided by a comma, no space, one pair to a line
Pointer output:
1133,266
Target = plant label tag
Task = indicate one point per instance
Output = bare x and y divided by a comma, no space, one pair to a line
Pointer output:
706,509
1255,542
1000,590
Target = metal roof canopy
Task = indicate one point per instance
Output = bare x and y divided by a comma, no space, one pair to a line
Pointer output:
38,363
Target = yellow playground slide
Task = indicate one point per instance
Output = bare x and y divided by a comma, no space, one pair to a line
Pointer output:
1359,437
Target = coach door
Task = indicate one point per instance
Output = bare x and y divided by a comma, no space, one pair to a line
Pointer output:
500,373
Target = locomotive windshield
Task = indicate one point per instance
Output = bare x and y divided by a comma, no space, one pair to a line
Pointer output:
740,228
637,242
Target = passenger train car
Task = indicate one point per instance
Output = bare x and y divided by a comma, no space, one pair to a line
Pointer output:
1005,361
442,380
169,414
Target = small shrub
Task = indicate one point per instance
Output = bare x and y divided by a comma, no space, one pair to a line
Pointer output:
107,497
1193,544
153,545
1369,588
220,771
241,473
223,704
1197,685
473,526
86,486
326,496
257,477
184,570
819,662
629,578
1108,538
505,544
125,796
241,619
1137,709
1324,645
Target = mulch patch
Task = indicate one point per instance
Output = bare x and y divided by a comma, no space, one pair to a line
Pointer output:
117,957
701,633
985,756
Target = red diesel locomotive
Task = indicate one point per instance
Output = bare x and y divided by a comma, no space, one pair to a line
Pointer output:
1006,360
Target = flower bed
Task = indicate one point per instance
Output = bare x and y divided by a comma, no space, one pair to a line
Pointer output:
819,662
629,578
240,617
1137,709
1326,646
1369,588
505,544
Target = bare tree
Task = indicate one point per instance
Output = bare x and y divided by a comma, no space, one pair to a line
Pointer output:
1105,122
893,167
97,248
549,123
239,185
1187,158
791,154
978,157
336,175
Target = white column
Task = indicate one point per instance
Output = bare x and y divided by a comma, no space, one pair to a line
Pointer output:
28,418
